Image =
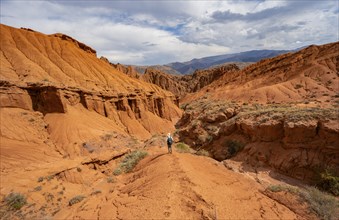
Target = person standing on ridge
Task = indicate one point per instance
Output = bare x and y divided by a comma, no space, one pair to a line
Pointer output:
169,142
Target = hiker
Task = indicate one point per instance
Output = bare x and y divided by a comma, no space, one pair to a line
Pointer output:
169,142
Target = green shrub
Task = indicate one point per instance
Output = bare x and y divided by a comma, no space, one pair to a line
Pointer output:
324,205
275,188
183,148
233,147
15,200
203,152
76,199
329,182
130,161
38,188
110,179
117,171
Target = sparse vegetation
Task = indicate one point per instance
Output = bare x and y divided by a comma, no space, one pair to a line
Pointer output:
38,188
279,188
117,171
111,179
233,147
96,192
40,179
15,201
323,204
183,148
203,152
78,169
328,181
76,199
107,137
130,161
50,177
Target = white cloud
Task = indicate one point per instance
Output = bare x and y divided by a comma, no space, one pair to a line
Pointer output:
157,32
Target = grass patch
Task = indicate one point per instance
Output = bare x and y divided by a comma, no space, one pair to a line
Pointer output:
129,162
324,205
76,199
15,201
183,148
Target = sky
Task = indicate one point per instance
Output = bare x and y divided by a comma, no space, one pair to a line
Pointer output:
159,32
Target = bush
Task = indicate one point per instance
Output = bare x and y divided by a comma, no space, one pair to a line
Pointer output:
117,171
76,199
279,188
111,179
130,161
15,200
233,147
275,188
324,205
38,188
183,148
329,182
203,152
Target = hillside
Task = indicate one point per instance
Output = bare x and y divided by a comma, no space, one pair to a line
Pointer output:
280,113
307,75
62,81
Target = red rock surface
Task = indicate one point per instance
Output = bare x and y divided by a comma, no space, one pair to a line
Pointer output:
69,118
282,111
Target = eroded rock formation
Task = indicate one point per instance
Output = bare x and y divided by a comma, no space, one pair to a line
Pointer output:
294,140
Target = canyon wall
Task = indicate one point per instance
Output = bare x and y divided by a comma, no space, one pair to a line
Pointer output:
293,140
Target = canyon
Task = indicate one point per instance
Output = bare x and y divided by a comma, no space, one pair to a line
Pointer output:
70,119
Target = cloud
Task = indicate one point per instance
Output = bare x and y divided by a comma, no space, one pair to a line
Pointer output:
158,32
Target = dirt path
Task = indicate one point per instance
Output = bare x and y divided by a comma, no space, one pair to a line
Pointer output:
184,186
162,186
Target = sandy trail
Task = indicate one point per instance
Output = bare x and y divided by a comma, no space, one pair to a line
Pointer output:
181,186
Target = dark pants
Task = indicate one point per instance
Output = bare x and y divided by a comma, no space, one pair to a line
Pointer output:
169,148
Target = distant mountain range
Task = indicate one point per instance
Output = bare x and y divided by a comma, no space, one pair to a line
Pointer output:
207,62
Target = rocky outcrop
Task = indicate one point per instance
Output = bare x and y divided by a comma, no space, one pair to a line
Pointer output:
183,84
46,98
50,73
128,70
293,140
78,44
